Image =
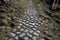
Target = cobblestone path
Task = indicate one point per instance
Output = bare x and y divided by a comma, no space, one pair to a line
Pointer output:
27,29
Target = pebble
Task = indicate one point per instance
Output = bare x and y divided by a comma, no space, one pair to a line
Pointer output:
14,30
30,23
36,23
18,27
42,23
24,23
29,35
31,31
26,30
27,21
26,38
16,37
40,19
34,28
27,24
21,29
35,33
24,20
13,34
33,23
20,24
18,32
31,17
42,39
34,38
31,26
22,34
19,21
24,26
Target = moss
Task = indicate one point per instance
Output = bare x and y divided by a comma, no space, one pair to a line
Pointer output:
21,38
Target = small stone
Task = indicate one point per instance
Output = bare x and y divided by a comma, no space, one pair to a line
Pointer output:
4,22
40,19
13,34
20,24
27,24
21,29
34,28
24,12
29,35
33,23
14,30
22,34
18,27
27,21
16,37
30,23
39,22
18,32
35,33
42,23
31,26
26,38
26,30
19,21
36,23
34,38
24,26
42,39
31,17
24,20
31,31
